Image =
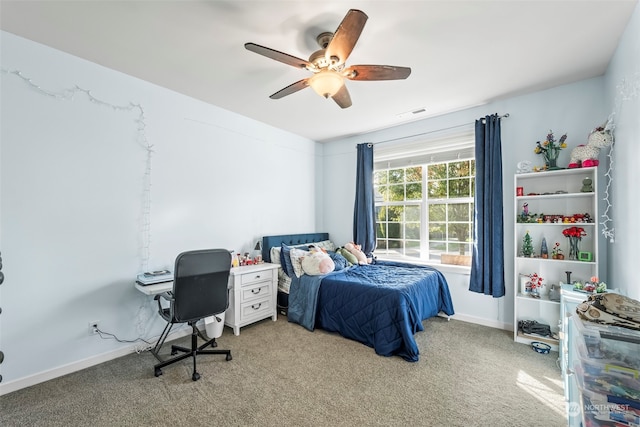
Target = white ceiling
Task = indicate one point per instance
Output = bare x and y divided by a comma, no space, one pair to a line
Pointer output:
462,53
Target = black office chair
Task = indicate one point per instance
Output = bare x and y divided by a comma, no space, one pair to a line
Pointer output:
199,290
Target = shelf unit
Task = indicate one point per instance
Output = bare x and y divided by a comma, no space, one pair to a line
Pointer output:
552,194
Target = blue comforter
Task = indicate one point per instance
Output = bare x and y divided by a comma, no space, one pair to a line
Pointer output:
381,305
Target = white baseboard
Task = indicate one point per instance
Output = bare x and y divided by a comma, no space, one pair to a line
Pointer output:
11,386
484,322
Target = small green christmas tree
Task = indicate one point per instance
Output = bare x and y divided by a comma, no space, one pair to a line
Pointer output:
527,245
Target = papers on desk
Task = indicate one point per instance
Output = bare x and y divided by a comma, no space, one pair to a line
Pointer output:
154,277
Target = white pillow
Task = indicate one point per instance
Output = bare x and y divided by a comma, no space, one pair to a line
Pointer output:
275,255
296,256
325,244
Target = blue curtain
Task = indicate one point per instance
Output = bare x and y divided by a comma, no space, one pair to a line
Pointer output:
364,221
487,266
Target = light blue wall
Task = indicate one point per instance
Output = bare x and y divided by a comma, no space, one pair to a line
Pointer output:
622,83
72,186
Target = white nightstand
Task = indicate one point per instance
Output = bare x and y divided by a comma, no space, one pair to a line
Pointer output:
252,295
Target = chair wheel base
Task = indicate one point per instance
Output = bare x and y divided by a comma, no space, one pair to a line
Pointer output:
229,357
195,376
157,372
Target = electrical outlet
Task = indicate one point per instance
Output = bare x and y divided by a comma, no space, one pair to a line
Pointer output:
93,327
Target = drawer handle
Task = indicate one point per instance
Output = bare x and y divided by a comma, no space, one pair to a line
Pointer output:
256,291
256,306
257,276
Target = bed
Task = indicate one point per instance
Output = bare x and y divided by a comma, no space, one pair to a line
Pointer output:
381,305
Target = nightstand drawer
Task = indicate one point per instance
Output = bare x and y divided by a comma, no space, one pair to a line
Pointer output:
256,308
257,276
256,290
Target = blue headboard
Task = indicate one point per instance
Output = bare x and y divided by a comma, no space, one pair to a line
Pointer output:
269,242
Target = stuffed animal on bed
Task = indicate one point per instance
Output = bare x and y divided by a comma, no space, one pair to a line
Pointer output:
317,262
351,258
357,252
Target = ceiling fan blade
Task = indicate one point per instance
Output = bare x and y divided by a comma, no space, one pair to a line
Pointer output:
280,56
346,36
292,88
342,97
376,72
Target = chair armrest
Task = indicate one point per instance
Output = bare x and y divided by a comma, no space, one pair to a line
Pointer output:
168,296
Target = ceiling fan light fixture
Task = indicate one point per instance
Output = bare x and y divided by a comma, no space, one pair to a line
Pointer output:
326,83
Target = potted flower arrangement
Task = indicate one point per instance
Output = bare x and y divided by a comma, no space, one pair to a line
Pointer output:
550,149
556,252
574,234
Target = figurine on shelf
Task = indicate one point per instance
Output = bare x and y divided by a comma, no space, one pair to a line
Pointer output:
587,185
524,215
527,246
544,251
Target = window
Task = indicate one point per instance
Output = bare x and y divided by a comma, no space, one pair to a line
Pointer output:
424,210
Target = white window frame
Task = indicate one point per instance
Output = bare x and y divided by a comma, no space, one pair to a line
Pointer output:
422,153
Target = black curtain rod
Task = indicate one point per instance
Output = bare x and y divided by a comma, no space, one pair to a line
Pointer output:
504,116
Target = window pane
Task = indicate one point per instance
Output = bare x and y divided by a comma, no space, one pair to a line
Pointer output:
414,191
412,213
435,249
395,231
412,248
395,213
412,231
459,169
459,188
437,212
459,232
437,231
396,176
437,189
460,248
381,244
395,244
414,174
381,213
396,193
459,212
438,171
380,177
381,230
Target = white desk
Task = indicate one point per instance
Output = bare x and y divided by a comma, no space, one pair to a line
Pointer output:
158,288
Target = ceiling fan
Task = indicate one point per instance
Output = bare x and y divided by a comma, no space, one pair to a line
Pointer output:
328,64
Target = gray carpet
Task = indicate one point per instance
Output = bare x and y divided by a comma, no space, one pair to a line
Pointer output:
283,375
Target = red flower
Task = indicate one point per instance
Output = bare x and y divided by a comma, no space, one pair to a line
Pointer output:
574,232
